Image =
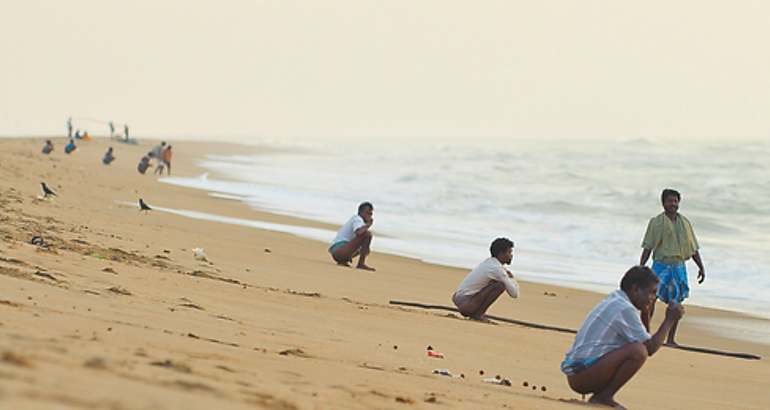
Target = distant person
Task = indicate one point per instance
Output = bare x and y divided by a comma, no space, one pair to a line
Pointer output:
164,161
48,147
85,136
69,127
671,240
112,130
125,128
155,152
77,134
108,157
144,163
354,239
70,147
614,343
165,155
486,282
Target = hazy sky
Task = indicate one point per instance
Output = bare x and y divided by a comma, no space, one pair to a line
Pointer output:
376,69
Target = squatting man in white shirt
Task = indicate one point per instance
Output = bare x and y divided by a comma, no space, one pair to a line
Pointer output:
486,282
354,238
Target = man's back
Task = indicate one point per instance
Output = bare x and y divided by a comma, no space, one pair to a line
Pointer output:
613,323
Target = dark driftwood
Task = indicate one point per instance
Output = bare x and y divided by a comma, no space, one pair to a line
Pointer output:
498,318
717,352
565,330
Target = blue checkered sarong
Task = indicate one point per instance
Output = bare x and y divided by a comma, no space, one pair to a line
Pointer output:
673,286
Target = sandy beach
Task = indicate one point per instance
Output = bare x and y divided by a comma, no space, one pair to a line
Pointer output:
115,312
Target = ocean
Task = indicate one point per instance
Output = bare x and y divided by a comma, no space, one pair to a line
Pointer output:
577,211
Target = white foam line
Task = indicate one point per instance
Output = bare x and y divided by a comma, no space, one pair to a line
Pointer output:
318,234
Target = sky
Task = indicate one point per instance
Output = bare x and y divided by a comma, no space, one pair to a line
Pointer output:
461,70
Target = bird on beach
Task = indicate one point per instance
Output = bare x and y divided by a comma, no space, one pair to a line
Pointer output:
143,206
47,191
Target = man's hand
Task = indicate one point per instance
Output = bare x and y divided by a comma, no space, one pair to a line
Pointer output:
674,312
701,270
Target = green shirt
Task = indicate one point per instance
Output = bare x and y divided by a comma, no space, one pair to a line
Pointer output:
670,241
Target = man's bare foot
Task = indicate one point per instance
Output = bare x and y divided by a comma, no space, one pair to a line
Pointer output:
671,343
606,402
480,318
365,267
343,264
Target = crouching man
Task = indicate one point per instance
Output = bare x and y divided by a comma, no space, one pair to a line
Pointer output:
486,282
613,343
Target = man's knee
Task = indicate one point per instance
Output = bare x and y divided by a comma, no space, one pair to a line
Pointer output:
637,352
496,287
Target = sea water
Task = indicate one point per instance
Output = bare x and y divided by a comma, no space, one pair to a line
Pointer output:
577,211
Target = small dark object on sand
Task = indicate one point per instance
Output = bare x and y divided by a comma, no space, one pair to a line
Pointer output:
47,191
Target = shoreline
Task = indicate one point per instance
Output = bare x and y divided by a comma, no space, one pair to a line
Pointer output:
752,308
265,293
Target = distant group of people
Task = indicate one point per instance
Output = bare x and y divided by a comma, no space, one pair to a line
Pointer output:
614,341
85,134
48,147
71,147
162,154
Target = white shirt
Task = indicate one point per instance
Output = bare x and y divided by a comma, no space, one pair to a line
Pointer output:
614,323
487,271
348,231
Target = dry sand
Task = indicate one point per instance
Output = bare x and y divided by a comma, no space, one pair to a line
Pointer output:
270,321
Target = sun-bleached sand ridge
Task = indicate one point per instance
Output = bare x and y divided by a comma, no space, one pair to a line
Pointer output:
113,311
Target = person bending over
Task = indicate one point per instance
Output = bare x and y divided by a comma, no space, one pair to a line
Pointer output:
48,147
613,343
108,157
354,239
486,282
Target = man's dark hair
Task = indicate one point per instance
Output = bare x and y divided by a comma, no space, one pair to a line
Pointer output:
500,245
667,192
639,275
365,205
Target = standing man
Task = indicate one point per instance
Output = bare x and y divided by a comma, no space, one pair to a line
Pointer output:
671,241
155,152
165,156
486,282
164,161
112,130
69,127
613,343
354,238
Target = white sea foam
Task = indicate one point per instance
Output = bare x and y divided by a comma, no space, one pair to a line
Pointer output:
577,211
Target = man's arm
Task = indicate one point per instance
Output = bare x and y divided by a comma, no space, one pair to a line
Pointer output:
360,231
645,256
701,270
511,286
645,315
673,314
